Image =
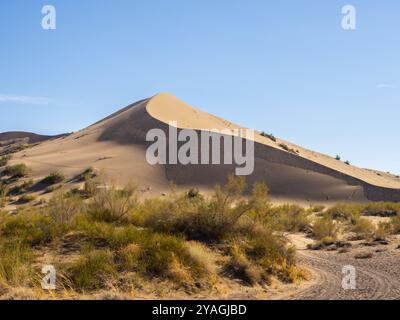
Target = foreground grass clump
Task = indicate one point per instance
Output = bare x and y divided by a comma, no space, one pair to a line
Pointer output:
92,270
29,227
15,269
16,171
118,241
131,249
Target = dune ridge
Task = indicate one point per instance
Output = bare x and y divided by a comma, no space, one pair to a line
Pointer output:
117,145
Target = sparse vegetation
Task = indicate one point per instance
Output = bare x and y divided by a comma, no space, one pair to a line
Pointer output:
88,174
4,160
110,204
269,136
53,178
325,229
16,171
178,239
363,228
26,198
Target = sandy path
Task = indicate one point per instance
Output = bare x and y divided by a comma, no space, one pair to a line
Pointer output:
376,278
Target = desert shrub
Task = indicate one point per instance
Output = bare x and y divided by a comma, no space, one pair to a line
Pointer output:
287,148
241,268
338,158
193,193
269,136
363,228
22,188
26,198
203,219
317,208
52,188
93,270
325,227
383,230
88,174
16,171
347,162
15,270
90,187
4,160
111,204
53,178
62,209
381,209
395,224
290,218
345,212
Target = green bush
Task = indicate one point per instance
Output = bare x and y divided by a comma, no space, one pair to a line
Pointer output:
93,270
15,264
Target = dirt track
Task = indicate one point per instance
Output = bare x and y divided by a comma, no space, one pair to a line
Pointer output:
377,277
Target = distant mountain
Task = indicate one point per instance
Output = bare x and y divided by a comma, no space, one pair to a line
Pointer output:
28,137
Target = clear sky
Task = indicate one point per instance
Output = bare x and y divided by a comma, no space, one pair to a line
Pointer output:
285,67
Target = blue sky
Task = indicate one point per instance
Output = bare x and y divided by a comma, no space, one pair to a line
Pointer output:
286,67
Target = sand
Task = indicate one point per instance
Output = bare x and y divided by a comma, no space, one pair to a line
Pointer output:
117,146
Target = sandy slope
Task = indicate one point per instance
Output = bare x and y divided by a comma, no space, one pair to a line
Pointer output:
29,137
117,145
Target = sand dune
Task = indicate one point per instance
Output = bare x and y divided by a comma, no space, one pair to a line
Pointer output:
117,145
29,137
